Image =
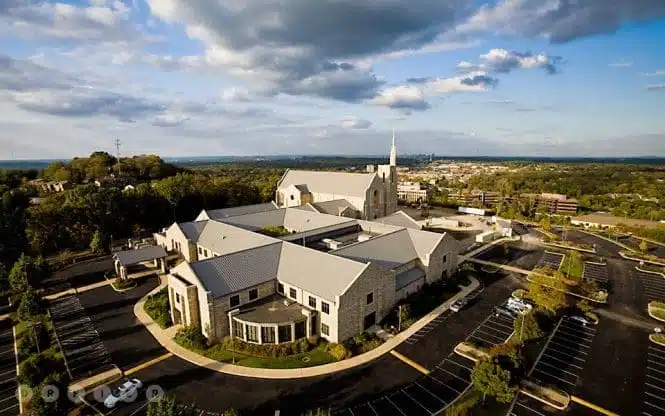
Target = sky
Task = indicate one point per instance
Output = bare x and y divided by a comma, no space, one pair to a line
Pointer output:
266,77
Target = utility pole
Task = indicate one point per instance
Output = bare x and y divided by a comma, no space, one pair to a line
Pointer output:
117,144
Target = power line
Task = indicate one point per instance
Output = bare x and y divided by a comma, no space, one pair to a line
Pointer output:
117,144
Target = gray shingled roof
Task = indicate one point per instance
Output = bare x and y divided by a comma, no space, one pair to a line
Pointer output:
238,271
193,229
221,238
334,207
316,272
408,277
130,257
290,218
388,250
400,219
216,214
339,183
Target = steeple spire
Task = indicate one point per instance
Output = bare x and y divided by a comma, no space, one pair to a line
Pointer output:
393,152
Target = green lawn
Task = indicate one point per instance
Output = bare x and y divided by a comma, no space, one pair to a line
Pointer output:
576,266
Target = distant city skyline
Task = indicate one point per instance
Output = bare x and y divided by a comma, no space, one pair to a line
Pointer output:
189,78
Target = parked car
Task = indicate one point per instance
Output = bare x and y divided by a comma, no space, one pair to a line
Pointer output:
503,311
584,320
458,305
522,307
126,392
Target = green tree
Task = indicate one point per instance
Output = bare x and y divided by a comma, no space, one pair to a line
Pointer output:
52,407
98,243
491,378
546,224
644,246
169,406
548,292
527,327
31,305
18,275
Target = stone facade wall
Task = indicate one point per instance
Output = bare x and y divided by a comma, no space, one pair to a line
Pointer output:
221,306
353,305
436,266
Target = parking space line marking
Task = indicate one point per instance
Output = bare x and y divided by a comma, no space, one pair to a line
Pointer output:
372,408
566,346
561,361
653,405
530,409
657,371
552,375
656,355
566,334
446,385
578,327
490,335
655,362
454,375
459,365
414,400
655,387
432,394
557,368
395,406
410,362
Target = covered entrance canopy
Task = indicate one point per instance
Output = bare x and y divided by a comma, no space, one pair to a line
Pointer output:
142,261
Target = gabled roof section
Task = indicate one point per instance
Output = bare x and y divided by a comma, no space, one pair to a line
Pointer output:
294,219
221,238
258,220
193,229
131,257
240,270
217,214
400,219
388,250
338,183
316,272
334,207
424,242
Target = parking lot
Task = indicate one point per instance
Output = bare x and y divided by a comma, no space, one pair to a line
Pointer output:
654,383
551,259
447,381
8,383
654,286
595,271
84,351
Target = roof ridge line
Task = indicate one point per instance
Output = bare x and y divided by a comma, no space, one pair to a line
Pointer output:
239,251
373,238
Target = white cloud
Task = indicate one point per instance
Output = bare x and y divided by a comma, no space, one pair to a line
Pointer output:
353,123
236,94
478,81
621,64
504,61
660,73
403,97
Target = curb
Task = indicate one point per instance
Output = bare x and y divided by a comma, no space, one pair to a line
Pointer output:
640,260
607,239
20,396
602,302
306,372
650,308
585,250
651,338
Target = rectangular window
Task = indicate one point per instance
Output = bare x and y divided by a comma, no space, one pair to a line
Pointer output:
312,302
324,329
370,298
284,333
205,252
292,293
200,250
253,294
325,308
252,333
234,300
238,330
280,288
445,258
268,335
177,298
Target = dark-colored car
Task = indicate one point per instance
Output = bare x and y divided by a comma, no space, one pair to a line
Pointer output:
500,310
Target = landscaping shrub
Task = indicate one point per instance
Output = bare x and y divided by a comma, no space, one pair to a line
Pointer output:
338,351
314,340
190,337
267,350
120,284
157,307
303,345
36,368
657,304
41,407
463,405
27,344
31,306
527,327
168,406
362,342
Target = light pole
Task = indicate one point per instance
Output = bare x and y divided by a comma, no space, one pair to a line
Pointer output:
399,318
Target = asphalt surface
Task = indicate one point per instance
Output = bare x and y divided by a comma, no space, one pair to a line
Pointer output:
517,254
8,383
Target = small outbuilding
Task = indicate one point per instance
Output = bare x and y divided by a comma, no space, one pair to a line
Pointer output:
140,262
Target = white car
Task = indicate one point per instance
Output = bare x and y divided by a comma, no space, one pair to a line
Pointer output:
458,305
127,392
520,304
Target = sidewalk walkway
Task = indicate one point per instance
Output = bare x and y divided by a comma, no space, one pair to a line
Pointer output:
164,338
78,290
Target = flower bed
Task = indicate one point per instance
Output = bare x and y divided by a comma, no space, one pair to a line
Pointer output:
657,310
545,394
470,351
657,339
647,258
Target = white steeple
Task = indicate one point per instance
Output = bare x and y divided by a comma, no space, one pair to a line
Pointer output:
393,152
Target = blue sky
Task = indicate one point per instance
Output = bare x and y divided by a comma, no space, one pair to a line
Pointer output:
460,77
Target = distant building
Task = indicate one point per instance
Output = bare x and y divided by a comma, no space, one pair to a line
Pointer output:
411,192
50,186
554,203
599,220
